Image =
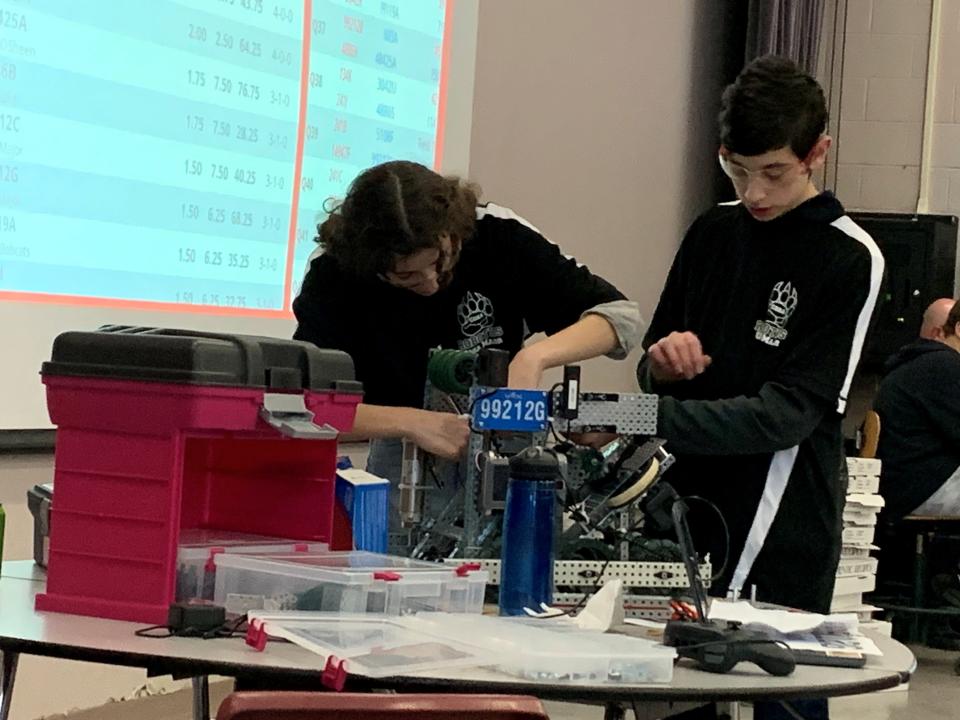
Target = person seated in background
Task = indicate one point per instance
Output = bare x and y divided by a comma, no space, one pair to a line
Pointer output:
934,318
919,407
410,261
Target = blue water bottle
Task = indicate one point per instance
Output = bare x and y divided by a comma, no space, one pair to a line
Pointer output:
526,556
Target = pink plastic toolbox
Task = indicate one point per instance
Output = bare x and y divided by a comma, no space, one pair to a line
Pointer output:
163,431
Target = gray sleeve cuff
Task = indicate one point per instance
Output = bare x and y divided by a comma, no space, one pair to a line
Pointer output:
624,317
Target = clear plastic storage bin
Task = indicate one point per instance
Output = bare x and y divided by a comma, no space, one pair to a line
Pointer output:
196,569
588,658
553,652
351,582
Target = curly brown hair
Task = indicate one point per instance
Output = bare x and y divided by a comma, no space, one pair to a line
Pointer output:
394,210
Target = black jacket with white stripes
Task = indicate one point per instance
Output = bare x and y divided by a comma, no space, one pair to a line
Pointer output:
510,282
782,307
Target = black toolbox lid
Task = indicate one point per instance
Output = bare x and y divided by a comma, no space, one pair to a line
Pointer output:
200,358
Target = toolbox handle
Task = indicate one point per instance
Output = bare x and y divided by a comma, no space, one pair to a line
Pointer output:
288,414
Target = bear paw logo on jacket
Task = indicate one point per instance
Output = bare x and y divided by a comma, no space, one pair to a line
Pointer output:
780,306
475,314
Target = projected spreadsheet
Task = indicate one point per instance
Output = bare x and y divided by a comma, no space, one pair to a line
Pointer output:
178,153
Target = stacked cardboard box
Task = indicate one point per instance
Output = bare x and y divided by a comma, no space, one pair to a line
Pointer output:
857,572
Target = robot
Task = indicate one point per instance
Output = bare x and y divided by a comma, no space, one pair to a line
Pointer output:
610,498
603,490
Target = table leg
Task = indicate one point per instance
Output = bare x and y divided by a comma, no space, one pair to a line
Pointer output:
791,711
8,673
201,698
613,711
919,579
730,710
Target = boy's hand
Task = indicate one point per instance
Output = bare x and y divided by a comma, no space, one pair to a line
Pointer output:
678,356
440,433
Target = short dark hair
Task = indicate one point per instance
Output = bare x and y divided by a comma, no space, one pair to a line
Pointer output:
772,104
393,210
953,317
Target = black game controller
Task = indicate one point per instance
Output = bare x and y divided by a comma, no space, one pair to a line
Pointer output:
718,647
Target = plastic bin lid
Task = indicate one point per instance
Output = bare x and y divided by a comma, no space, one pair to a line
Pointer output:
200,358
283,566
206,537
350,567
362,560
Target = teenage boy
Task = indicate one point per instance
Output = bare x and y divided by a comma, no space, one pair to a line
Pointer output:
755,340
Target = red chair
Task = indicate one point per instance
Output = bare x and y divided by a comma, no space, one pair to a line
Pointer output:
377,706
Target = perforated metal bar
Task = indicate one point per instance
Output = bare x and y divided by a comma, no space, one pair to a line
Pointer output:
576,573
622,413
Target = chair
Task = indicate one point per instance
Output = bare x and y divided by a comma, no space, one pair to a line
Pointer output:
869,435
924,532
919,532
277,705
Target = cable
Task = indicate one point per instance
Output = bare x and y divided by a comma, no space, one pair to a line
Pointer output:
723,522
493,439
553,388
726,534
237,628
432,471
227,630
149,632
453,403
583,600
553,431
596,587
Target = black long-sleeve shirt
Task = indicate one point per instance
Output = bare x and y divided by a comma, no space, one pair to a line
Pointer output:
783,308
510,282
919,407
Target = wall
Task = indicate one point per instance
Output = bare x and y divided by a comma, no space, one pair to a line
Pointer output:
899,136
579,127
944,191
882,104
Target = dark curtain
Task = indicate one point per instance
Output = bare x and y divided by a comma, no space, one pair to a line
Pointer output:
750,28
733,33
790,28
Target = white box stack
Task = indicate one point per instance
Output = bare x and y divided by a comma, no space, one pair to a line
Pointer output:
857,572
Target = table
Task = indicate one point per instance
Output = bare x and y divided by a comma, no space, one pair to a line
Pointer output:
75,637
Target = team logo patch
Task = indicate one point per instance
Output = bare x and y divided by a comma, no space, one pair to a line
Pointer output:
476,318
780,307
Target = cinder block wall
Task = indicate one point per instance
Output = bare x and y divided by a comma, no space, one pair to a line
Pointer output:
882,104
944,193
